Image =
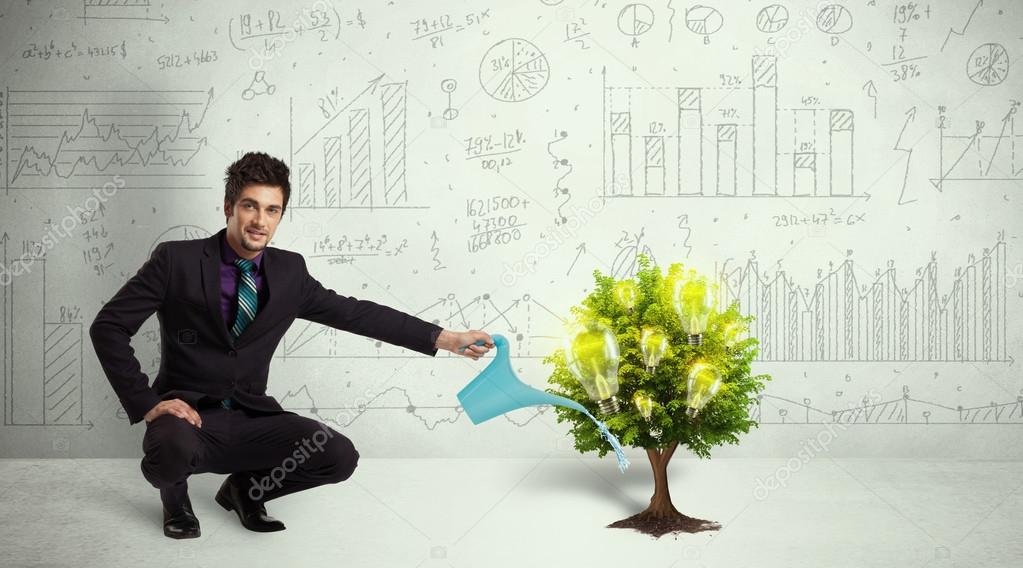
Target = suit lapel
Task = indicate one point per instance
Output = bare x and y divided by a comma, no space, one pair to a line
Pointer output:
211,284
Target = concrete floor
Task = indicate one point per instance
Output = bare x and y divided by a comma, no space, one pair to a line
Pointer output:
533,512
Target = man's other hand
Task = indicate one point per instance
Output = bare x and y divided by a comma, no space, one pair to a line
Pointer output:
464,343
178,408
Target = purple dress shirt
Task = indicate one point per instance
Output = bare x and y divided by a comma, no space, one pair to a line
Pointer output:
229,276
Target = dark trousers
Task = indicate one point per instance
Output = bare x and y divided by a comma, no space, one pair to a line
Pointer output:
276,454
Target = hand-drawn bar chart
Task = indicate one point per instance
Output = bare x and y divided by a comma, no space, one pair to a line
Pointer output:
81,139
119,10
356,159
667,142
46,385
840,319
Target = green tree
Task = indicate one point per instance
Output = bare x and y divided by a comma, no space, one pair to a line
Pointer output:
721,420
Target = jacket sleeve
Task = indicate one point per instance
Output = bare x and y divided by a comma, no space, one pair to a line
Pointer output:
116,323
365,318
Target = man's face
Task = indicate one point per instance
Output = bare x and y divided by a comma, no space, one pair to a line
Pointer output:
252,222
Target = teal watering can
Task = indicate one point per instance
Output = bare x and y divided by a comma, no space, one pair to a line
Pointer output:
497,390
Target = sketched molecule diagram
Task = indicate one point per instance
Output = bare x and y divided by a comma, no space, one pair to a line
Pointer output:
703,20
635,19
448,86
258,86
834,19
771,19
988,65
514,70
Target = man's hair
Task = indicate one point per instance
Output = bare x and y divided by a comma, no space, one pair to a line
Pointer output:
256,167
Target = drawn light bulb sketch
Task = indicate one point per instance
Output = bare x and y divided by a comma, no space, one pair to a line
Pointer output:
771,19
704,20
514,70
448,86
988,65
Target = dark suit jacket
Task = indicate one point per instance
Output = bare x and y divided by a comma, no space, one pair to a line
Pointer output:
198,356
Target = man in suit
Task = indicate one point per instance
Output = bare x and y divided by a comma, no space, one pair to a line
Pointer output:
223,304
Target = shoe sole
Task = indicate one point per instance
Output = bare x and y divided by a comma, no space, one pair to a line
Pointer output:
181,536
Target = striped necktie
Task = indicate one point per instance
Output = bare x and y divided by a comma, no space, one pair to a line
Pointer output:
247,298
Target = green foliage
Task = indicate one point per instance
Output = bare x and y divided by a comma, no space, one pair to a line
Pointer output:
720,422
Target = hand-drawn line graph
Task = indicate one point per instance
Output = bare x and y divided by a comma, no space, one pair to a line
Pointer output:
392,399
840,319
340,165
524,319
906,409
66,139
768,410
678,150
47,389
965,26
118,10
981,155
514,70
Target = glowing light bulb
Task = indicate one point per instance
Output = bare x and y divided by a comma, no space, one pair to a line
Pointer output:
591,354
626,293
731,332
704,382
645,405
653,343
694,302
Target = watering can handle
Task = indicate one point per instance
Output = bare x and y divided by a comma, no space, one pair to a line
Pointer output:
477,342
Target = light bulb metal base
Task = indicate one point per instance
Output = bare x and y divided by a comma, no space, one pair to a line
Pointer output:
694,339
692,412
608,405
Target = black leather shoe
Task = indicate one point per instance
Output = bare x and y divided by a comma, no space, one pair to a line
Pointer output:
232,497
180,523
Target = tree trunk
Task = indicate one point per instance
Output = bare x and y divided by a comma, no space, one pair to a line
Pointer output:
661,506
661,516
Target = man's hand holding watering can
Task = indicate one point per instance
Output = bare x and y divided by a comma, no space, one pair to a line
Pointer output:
473,343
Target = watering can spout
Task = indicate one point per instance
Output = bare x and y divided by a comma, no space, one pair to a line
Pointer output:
497,390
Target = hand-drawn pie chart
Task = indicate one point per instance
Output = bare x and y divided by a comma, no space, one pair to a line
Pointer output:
988,65
772,18
635,19
703,20
514,70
